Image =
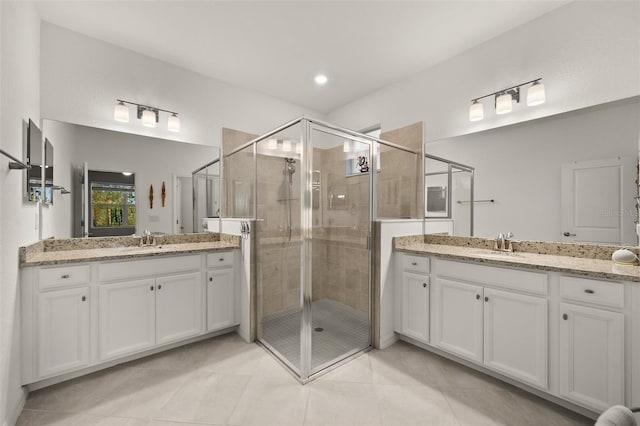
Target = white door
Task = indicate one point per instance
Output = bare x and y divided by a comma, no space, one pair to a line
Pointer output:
591,356
415,306
597,201
458,318
63,330
127,317
515,335
184,205
178,307
220,299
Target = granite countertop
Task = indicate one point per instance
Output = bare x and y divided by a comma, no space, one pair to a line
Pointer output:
55,252
587,267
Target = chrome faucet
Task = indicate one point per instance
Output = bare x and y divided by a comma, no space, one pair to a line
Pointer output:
503,242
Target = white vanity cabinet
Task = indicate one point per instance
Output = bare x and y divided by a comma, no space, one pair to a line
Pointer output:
592,342
83,315
63,330
140,314
221,291
571,337
126,321
58,311
413,297
502,328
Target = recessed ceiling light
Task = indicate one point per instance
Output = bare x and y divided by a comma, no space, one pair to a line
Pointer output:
321,79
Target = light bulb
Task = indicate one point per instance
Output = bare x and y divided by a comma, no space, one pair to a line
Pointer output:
320,79
286,145
148,118
299,148
346,146
272,143
173,123
536,94
504,103
121,112
476,111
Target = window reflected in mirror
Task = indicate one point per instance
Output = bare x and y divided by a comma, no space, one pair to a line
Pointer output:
112,198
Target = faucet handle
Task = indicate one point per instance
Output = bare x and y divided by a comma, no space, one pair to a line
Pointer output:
500,236
509,235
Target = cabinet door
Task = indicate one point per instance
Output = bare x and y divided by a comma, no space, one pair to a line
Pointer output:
415,306
515,335
178,307
63,330
220,299
458,318
591,356
127,317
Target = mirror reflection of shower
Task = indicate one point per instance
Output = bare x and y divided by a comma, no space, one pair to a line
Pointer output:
286,190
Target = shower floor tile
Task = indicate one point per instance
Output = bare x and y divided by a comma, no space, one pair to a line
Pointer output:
338,329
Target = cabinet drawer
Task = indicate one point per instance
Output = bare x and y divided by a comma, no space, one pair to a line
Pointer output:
592,291
509,279
219,259
63,276
415,263
112,271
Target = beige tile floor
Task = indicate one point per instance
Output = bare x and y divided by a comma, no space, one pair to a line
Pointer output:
224,381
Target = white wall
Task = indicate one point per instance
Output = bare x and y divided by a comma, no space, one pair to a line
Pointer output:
519,165
82,77
19,85
587,53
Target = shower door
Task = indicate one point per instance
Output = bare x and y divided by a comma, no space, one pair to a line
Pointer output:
339,294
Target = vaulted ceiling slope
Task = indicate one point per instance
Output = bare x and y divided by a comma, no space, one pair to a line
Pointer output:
277,47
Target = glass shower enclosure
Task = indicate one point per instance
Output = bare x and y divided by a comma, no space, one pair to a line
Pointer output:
312,197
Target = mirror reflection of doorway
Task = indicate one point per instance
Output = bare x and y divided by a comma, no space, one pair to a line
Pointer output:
184,205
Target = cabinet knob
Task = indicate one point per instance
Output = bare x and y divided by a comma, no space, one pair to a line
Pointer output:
211,279
568,234
414,263
588,291
565,317
477,297
65,276
84,298
486,298
151,288
424,285
221,259
159,286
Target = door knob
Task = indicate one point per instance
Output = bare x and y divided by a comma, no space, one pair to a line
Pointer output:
486,298
565,317
477,297
568,234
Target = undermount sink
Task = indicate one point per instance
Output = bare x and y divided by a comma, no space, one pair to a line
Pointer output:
140,248
504,255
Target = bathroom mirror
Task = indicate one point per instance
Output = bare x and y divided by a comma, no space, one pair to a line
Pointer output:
153,161
520,182
48,172
33,190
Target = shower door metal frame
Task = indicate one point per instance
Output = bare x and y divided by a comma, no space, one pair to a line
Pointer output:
306,373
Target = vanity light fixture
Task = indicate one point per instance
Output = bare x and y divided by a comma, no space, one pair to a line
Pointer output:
504,99
121,112
148,114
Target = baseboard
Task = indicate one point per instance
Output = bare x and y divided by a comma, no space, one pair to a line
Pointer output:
387,341
540,393
12,418
111,363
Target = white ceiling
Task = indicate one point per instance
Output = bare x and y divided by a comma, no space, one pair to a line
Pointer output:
277,47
